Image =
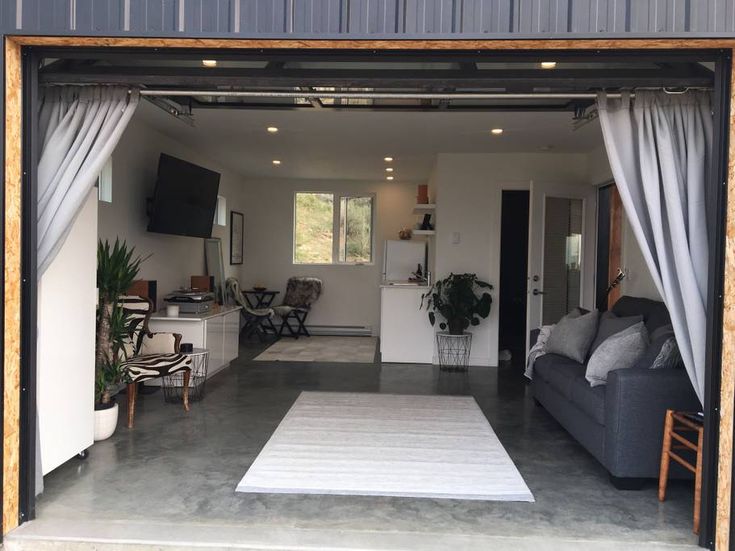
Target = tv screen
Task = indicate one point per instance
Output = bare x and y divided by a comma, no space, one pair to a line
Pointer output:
184,200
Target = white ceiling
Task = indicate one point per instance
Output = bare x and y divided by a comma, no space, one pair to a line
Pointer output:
328,144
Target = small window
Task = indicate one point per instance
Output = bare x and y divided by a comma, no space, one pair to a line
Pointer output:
333,228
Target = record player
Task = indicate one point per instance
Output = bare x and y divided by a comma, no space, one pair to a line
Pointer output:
191,301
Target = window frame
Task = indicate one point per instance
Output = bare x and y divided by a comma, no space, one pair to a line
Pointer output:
337,197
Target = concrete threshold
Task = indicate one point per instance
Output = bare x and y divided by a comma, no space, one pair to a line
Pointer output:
117,535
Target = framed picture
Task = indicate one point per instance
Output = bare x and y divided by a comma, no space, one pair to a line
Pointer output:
237,221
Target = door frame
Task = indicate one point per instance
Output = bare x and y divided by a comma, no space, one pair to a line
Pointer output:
18,317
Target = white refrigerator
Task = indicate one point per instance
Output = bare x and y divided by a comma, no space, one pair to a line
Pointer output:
402,258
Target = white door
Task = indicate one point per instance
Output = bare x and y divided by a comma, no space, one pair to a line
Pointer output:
561,245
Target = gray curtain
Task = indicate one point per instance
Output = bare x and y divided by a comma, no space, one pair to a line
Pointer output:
79,128
660,150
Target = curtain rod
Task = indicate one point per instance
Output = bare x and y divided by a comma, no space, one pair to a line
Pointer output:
390,95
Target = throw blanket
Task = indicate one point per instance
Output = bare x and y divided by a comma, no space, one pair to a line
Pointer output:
538,349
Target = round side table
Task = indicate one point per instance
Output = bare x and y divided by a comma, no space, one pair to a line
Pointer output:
173,385
454,351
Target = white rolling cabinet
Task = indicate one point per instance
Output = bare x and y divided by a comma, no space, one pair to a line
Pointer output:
218,332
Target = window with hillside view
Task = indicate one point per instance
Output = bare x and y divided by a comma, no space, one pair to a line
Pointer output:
333,228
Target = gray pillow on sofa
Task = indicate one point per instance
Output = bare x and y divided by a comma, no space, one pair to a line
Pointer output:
572,336
669,356
621,351
611,324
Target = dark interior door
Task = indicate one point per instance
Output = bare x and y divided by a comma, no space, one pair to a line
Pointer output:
513,273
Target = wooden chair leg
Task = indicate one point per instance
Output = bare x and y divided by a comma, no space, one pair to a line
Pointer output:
187,377
698,481
132,394
663,475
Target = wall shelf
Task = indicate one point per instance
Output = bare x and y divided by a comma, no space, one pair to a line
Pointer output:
420,208
424,232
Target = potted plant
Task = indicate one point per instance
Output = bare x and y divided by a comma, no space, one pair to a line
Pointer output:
117,268
461,299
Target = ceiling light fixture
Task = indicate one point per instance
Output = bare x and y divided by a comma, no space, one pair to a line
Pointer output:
209,62
272,129
389,177
276,162
496,131
548,64
388,159
389,169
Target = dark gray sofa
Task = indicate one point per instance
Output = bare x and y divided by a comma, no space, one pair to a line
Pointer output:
620,423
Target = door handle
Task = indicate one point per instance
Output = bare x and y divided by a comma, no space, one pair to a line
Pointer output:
537,292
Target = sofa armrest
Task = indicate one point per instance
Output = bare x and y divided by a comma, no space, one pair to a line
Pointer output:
160,343
636,401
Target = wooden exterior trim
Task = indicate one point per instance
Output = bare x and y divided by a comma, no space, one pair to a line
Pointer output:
13,172
615,254
475,44
727,375
12,274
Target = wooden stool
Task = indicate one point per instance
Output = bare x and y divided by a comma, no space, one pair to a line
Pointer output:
682,422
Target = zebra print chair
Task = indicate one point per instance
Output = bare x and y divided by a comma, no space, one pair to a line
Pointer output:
149,355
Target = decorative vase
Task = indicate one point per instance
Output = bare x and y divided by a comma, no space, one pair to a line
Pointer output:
105,422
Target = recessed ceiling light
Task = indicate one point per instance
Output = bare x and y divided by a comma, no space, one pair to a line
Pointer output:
276,162
388,159
389,177
389,169
209,62
496,131
548,64
272,129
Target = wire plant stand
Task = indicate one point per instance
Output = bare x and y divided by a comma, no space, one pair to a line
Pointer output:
173,385
454,351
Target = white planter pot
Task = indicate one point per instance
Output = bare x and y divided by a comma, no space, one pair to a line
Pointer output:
105,423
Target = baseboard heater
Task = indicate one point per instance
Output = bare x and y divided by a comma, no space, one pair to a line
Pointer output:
341,330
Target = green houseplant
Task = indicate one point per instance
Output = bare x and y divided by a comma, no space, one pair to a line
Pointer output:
117,268
461,299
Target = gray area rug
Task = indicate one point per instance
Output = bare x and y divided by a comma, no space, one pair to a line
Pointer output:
321,349
386,445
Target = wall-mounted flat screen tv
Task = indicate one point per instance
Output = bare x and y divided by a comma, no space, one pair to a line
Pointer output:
184,200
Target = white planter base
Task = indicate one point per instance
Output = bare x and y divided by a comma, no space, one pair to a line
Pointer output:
105,423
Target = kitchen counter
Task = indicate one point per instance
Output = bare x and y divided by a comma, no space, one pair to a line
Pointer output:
406,336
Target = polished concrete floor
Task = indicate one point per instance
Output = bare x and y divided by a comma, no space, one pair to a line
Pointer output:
180,470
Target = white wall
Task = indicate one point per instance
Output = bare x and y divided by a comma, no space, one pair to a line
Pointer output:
351,294
469,192
66,343
639,282
134,166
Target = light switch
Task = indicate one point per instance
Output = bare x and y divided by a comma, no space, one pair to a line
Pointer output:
455,238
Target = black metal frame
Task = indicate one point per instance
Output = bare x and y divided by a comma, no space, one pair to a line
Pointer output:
31,57
299,315
716,211
29,289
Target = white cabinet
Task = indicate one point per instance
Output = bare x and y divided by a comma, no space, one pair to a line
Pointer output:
405,332
218,332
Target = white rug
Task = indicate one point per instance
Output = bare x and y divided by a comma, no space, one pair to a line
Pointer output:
321,349
387,445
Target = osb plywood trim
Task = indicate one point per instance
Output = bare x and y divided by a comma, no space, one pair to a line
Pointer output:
11,340
727,389
509,44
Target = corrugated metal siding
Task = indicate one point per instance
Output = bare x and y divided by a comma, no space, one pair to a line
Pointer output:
365,18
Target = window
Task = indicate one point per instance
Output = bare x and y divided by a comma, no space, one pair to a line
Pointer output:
333,228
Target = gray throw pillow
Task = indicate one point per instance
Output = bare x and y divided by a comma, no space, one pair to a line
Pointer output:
611,324
572,336
669,356
658,337
621,351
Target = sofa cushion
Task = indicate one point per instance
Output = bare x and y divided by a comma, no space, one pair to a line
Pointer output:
611,324
590,399
558,372
621,351
654,312
572,336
